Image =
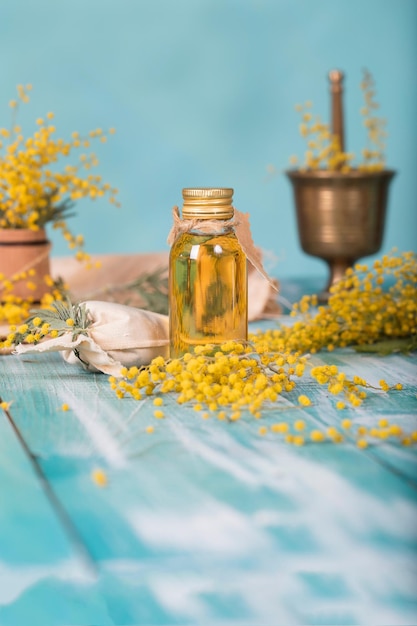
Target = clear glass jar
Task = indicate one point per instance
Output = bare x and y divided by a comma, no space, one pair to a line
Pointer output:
208,296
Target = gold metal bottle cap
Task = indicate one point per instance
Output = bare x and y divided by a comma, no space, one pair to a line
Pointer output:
207,203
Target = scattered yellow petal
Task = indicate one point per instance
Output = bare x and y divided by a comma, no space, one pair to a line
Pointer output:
395,430
317,436
298,440
99,477
280,427
362,443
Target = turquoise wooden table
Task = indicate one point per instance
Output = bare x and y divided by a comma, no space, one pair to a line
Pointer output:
202,522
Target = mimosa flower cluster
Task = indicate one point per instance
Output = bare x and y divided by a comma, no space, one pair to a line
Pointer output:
372,308
298,433
14,309
52,321
323,148
236,378
226,379
33,192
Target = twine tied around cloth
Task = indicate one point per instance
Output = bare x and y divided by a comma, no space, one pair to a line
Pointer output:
240,223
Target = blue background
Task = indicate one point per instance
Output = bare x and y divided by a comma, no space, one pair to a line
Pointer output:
202,92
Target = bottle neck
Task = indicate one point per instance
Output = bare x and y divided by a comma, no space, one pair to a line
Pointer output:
208,227
199,226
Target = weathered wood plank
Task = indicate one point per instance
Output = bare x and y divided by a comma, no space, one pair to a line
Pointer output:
37,554
208,522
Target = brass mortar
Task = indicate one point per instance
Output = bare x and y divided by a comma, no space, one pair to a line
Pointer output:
340,216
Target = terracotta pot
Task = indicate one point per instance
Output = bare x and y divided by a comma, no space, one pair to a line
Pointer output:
24,250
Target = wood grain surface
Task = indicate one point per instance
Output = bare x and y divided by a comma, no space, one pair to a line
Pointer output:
202,522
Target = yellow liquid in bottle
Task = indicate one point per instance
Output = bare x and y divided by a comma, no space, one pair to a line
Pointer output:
208,291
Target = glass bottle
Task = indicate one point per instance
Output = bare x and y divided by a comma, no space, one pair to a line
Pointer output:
208,296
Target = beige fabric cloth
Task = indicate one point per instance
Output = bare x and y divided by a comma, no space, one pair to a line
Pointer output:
119,336
106,282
